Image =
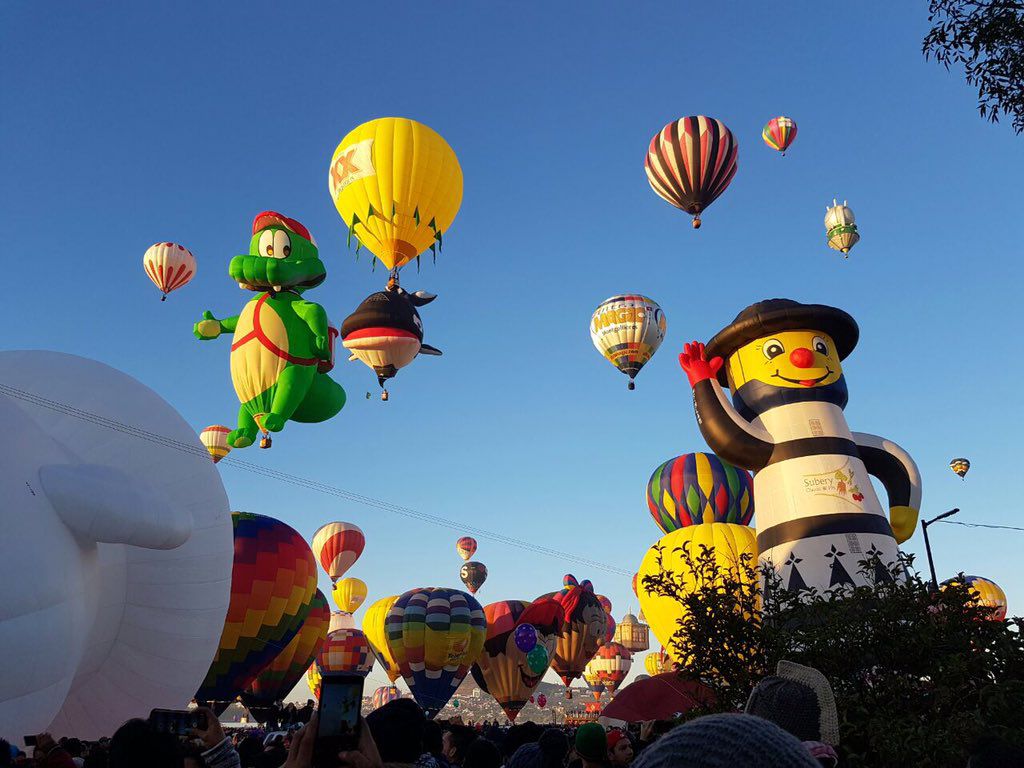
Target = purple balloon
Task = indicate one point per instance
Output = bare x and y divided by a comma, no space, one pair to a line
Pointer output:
526,637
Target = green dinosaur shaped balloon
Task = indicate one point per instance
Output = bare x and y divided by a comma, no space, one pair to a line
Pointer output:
283,345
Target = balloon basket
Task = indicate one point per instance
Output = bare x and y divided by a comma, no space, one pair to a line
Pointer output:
266,442
696,222
164,297
384,395
631,386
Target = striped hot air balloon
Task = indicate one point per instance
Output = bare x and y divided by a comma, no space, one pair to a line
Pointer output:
345,652
466,547
593,680
435,634
627,330
611,663
215,438
278,678
960,466
384,695
779,133
690,162
273,581
338,546
699,488
657,663
169,266
375,627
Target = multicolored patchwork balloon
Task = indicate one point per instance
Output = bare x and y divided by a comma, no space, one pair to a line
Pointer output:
611,663
779,133
384,695
273,581
435,634
313,677
279,677
375,627
699,488
346,651
338,546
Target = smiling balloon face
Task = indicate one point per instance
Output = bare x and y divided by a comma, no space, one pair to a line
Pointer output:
787,359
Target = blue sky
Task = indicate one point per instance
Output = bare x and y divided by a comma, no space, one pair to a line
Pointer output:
129,123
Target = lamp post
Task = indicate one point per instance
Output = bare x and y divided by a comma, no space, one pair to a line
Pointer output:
928,546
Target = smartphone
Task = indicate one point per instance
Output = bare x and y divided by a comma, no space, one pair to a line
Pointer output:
179,722
341,699
31,741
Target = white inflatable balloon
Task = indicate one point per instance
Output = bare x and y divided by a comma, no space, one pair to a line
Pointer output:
115,553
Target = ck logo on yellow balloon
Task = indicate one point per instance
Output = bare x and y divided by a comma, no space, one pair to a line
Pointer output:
838,484
350,164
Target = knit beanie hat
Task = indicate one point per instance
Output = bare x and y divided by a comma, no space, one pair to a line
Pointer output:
591,742
726,741
799,699
527,756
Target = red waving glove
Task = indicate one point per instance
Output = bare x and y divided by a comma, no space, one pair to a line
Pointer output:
694,361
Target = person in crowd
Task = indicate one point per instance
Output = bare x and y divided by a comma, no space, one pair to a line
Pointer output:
549,751
274,754
249,748
591,745
75,748
799,699
397,731
726,741
457,739
620,748
483,753
7,753
433,747
517,735
49,754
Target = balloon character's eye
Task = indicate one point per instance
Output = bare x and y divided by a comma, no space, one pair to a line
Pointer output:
819,345
282,244
266,246
773,348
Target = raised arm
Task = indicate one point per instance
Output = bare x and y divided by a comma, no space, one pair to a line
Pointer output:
727,433
210,327
898,473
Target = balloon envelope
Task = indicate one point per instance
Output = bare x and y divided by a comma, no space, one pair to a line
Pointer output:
345,652
779,133
627,330
435,634
988,594
338,546
659,697
384,695
473,575
960,467
273,581
584,630
699,488
215,439
375,627
611,663
169,265
349,594
466,547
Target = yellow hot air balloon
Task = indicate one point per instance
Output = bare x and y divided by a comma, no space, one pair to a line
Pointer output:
397,186
215,438
349,594
376,632
728,541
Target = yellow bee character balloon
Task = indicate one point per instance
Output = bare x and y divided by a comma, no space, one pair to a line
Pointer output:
397,185
349,594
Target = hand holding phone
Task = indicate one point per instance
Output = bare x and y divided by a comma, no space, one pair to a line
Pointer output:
179,722
338,721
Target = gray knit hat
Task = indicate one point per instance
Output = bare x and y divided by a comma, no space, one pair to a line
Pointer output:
800,700
726,741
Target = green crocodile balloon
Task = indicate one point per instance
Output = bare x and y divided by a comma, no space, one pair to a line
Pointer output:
283,345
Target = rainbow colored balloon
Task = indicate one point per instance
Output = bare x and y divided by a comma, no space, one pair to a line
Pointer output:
779,133
435,634
313,677
273,581
699,488
385,694
278,678
347,652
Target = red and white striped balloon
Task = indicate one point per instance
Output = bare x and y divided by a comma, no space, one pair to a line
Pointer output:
338,546
169,266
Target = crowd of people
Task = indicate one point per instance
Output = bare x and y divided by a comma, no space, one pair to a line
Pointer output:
790,721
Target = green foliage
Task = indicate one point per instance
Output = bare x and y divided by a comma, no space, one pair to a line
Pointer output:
918,675
986,37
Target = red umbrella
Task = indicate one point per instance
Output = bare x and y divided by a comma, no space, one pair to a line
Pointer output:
657,698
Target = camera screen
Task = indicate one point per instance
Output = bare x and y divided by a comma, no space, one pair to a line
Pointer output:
340,702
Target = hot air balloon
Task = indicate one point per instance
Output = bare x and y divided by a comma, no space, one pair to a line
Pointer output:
690,162
628,329
435,634
729,543
466,547
375,628
988,594
349,594
635,584
584,629
338,546
960,466
611,663
345,652
278,678
632,634
215,438
473,575
658,663
397,186
169,266
273,581
386,332
542,701
313,677
593,680
779,133
502,669
699,488
384,695
840,227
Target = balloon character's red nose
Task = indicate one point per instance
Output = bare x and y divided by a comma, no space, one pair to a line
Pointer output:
801,357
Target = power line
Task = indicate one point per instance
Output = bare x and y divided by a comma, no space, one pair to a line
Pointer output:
302,482
982,525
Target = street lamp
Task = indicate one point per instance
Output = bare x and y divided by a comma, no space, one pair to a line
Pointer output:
928,546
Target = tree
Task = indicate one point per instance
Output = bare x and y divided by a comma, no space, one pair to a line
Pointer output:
918,675
987,38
